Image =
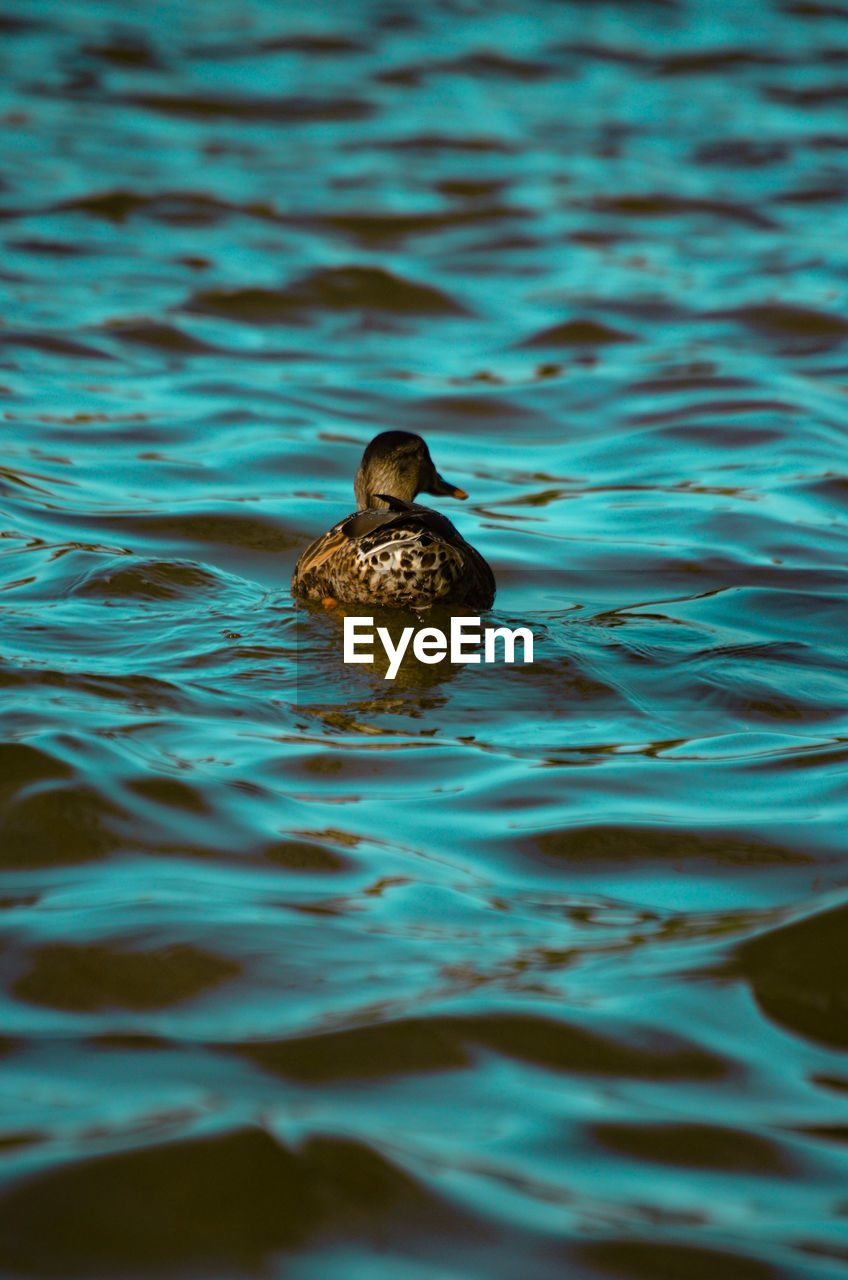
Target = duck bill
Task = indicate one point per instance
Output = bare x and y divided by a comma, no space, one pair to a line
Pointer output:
442,488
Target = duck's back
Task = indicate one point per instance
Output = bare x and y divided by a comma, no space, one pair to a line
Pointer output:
406,557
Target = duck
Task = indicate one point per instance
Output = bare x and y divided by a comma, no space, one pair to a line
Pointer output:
392,551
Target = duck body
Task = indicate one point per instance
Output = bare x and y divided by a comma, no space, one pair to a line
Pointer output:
393,552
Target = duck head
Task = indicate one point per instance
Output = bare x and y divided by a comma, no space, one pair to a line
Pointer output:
398,463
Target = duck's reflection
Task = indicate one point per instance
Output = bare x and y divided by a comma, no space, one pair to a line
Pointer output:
389,651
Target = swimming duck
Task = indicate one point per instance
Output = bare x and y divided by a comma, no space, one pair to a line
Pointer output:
391,551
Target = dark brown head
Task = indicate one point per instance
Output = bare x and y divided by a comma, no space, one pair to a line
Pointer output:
398,463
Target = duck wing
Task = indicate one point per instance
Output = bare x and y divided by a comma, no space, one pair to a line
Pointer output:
353,528
363,524
387,555
320,550
400,514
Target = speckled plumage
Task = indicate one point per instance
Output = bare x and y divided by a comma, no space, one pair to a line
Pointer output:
392,551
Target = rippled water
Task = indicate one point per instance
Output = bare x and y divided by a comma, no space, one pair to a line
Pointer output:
487,971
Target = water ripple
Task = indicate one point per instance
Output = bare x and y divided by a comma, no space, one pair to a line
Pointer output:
484,970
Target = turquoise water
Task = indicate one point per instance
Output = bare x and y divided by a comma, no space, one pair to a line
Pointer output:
487,971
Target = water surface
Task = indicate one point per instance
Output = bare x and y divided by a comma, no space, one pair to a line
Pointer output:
486,971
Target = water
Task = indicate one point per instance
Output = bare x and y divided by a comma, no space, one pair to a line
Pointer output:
485,971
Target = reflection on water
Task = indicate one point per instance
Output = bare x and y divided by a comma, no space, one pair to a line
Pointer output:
483,971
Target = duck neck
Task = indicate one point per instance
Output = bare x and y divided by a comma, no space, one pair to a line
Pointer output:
379,480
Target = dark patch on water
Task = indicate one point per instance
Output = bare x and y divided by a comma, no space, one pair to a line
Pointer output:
708,61
666,205
53,344
205,528
797,329
50,248
161,337
437,142
811,9
250,109
634,1259
147,580
390,230
799,975
171,792
232,1200
741,153
22,765
53,825
367,289
578,333
175,208
94,976
611,844
446,1043
125,49
315,44
821,95
13,24
694,1146
298,855
120,1041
